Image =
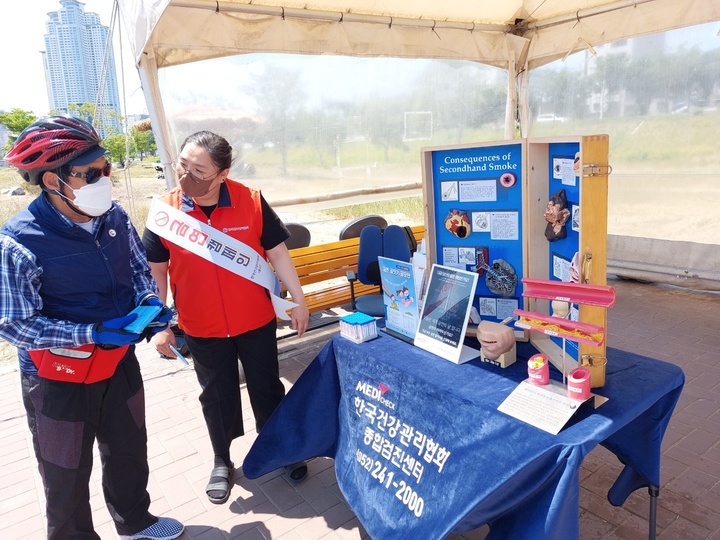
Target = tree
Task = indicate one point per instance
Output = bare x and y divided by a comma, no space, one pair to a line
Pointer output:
385,119
16,121
280,98
144,141
563,92
608,80
103,118
115,144
706,75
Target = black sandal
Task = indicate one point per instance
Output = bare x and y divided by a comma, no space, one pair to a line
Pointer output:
297,472
218,488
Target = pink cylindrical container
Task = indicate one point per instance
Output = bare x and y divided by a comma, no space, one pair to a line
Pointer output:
578,381
539,369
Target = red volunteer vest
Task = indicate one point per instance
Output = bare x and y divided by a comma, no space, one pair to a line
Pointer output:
212,301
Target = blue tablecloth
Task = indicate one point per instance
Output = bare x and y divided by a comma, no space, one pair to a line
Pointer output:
421,450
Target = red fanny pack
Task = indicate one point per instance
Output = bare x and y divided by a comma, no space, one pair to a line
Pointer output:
85,364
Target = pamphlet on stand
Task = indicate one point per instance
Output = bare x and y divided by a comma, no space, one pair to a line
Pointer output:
445,314
400,297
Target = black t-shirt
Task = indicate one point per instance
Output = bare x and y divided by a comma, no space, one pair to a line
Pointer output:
274,232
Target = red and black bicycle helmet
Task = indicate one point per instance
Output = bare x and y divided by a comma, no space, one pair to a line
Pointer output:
49,143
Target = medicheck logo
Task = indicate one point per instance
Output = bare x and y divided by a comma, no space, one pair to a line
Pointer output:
375,392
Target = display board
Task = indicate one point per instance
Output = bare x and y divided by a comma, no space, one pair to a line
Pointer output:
474,197
522,208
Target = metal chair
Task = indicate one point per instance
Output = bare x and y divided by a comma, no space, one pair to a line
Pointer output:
299,236
353,229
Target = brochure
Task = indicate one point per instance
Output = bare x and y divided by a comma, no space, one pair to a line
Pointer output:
445,314
399,296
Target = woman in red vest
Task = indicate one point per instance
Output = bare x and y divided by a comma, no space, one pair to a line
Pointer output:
225,316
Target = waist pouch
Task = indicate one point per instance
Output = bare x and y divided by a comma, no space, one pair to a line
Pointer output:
85,364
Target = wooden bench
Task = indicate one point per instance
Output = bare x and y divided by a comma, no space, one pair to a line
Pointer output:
326,265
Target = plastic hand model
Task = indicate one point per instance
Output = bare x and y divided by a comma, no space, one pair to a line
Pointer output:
495,339
111,333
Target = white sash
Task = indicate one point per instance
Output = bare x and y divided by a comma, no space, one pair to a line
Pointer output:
218,248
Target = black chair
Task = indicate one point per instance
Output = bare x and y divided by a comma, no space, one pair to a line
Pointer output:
355,227
374,242
299,236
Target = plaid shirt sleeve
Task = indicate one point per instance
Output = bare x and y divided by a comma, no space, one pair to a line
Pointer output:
20,303
20,321
143,282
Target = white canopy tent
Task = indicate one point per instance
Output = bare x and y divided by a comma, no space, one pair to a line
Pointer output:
514,35
517,35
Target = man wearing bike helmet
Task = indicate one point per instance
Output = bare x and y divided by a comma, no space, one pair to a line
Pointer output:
73,269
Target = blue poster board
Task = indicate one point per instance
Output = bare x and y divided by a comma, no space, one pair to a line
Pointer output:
478,205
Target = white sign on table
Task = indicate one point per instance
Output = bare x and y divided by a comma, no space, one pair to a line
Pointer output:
546,407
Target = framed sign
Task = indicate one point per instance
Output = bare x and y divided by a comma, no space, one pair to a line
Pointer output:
445,314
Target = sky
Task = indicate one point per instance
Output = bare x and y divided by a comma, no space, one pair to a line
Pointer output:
22,80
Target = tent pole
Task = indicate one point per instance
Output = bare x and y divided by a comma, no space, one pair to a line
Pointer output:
511,102
523,105
148,71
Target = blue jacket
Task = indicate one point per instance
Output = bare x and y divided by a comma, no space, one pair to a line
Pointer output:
84,279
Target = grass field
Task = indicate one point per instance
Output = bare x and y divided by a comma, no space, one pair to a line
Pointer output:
665,181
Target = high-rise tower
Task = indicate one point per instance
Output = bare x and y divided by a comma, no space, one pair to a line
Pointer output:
77,68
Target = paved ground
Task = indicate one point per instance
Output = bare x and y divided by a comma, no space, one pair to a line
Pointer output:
667,323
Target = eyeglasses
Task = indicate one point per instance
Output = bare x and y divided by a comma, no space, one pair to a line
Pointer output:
93,175
193,174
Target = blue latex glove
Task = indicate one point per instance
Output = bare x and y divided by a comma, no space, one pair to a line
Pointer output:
111,333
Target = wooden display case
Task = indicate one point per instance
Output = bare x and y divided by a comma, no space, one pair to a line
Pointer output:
486,203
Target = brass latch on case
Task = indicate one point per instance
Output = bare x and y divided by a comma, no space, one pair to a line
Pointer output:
593,169
586,269
590,360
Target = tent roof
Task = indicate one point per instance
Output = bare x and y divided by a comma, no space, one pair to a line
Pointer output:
500,33
516,35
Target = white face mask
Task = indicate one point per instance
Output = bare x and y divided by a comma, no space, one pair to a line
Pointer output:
94,199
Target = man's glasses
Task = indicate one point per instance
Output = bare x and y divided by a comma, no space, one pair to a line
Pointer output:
93,175
192,174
